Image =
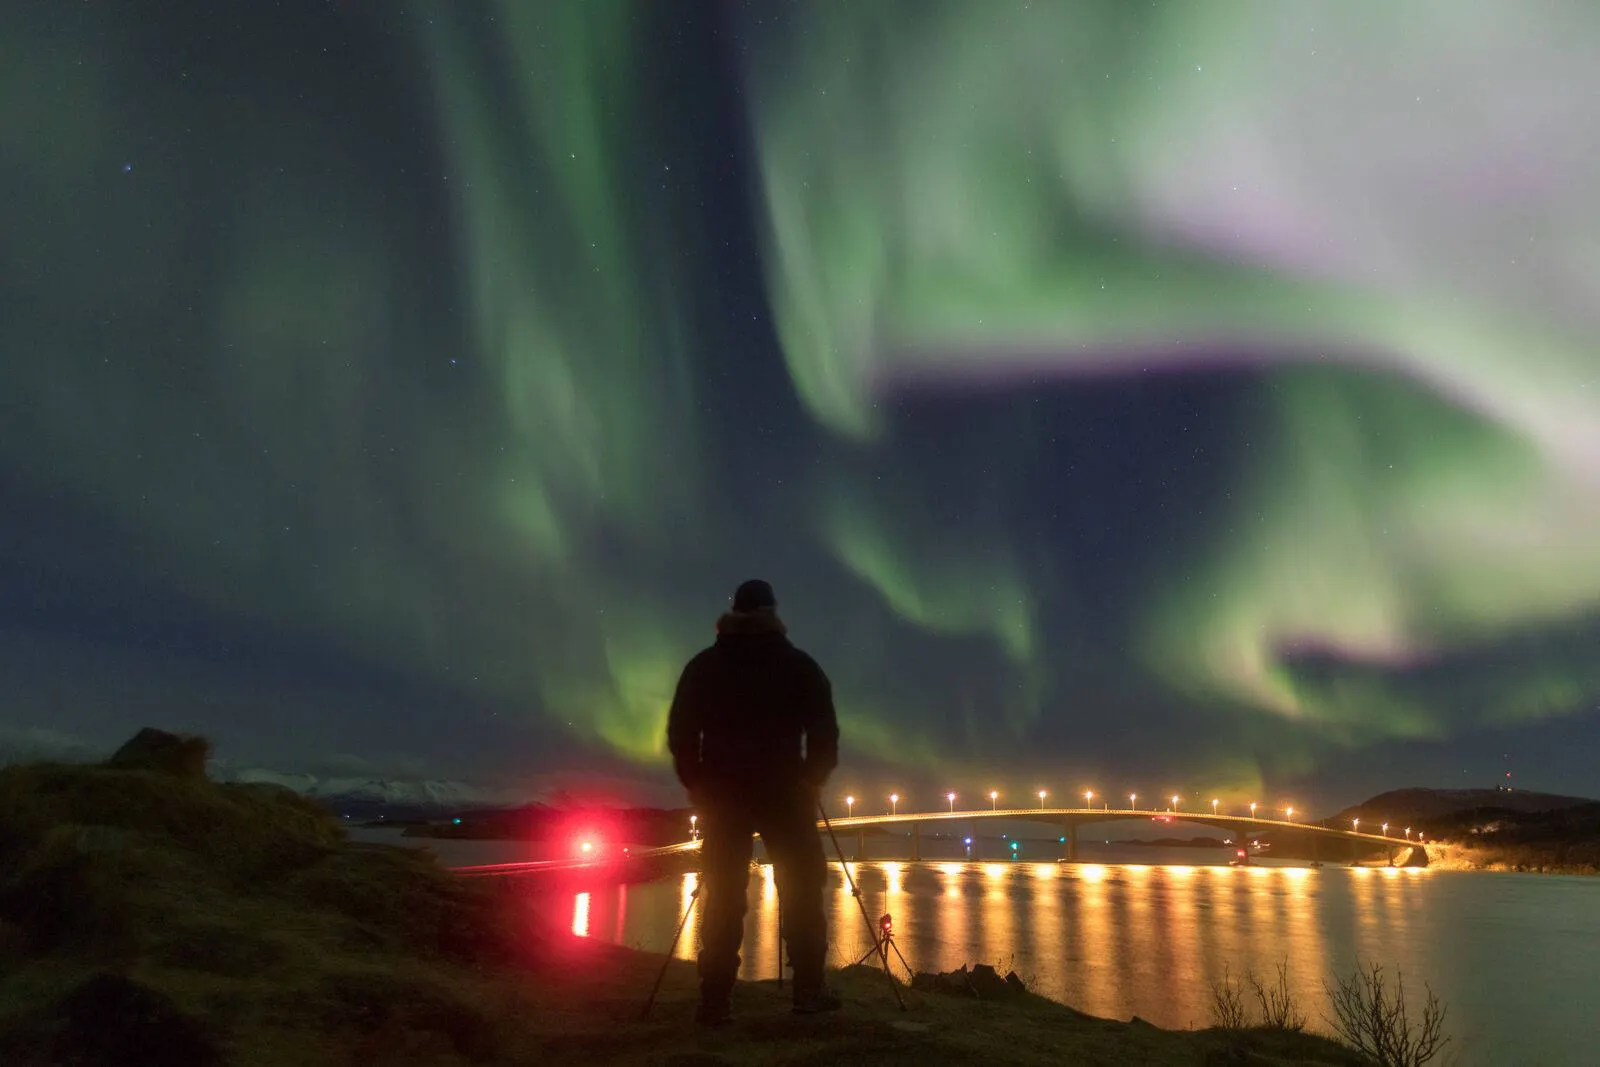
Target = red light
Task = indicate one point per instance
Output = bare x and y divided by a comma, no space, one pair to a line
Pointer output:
1241,853
586,847
886,924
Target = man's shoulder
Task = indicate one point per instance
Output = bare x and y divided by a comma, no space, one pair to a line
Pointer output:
804,660
700,660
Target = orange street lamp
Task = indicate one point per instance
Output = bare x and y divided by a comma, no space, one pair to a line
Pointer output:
951,797
693,831
1214,803
994,800
1356,823
849,806
1252,809
894,803
1088,798
1042,795
1385,829
1289,814
1174,803
1408,833
1133,801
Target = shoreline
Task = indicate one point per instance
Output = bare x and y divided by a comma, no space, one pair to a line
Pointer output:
1445,856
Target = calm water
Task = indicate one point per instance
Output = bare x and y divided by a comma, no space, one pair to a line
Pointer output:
1514,956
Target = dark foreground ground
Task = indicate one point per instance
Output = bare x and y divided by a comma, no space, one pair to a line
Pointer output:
155,917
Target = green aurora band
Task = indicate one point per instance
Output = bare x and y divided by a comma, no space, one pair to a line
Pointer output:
1038,190
954,196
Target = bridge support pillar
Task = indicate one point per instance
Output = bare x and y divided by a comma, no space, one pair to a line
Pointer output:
916,842
861,844
1072,842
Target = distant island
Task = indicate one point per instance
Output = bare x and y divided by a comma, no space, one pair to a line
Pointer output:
1177,842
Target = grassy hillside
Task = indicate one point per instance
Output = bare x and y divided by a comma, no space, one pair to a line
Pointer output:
154,917
1563,841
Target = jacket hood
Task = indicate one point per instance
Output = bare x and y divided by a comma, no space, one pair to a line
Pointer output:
750,623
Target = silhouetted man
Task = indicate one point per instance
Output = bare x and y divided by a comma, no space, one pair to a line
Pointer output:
753,736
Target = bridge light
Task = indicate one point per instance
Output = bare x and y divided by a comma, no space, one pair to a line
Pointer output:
694,831
1356,823
1013,846
894,803
951,797
849,805
1252,809
1174,803
967,841
1214,803
1385,829
1088,798
1133,801
1408,833
1042,795
1289,812
994,800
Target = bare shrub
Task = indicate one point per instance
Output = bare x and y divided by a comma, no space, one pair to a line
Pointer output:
1228,1008
1376,1022
1279,1010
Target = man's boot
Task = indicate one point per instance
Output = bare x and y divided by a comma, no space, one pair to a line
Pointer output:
814,997
716,1005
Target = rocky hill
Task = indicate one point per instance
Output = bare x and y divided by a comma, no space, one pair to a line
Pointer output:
1417,806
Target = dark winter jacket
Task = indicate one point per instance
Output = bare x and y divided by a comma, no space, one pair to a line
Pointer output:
752,712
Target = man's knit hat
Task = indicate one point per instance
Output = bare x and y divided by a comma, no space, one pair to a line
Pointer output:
752,596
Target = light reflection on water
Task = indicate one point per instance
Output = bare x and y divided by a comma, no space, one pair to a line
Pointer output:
1511,955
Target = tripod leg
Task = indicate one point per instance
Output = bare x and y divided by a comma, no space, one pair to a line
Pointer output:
662,974
855,891
902,958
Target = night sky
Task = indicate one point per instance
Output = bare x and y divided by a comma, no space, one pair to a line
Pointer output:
1142,397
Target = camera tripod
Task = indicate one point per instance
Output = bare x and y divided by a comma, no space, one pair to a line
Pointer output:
881,945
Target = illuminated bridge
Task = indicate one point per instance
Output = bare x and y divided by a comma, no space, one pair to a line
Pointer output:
1333,842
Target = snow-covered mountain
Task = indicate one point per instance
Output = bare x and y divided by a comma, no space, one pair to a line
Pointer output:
426,794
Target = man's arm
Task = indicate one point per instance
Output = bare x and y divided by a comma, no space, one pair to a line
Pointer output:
684,723
822,728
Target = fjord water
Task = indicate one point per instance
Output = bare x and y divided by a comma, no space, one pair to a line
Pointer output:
1514,956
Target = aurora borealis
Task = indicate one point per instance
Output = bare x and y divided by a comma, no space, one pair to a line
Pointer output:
1207,395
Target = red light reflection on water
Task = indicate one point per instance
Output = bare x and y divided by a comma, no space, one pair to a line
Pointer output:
580,915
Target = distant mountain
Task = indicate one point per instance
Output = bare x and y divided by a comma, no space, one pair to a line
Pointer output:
1415,807
367,798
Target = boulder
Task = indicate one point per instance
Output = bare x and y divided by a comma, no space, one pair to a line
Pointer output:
982,981
180,755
